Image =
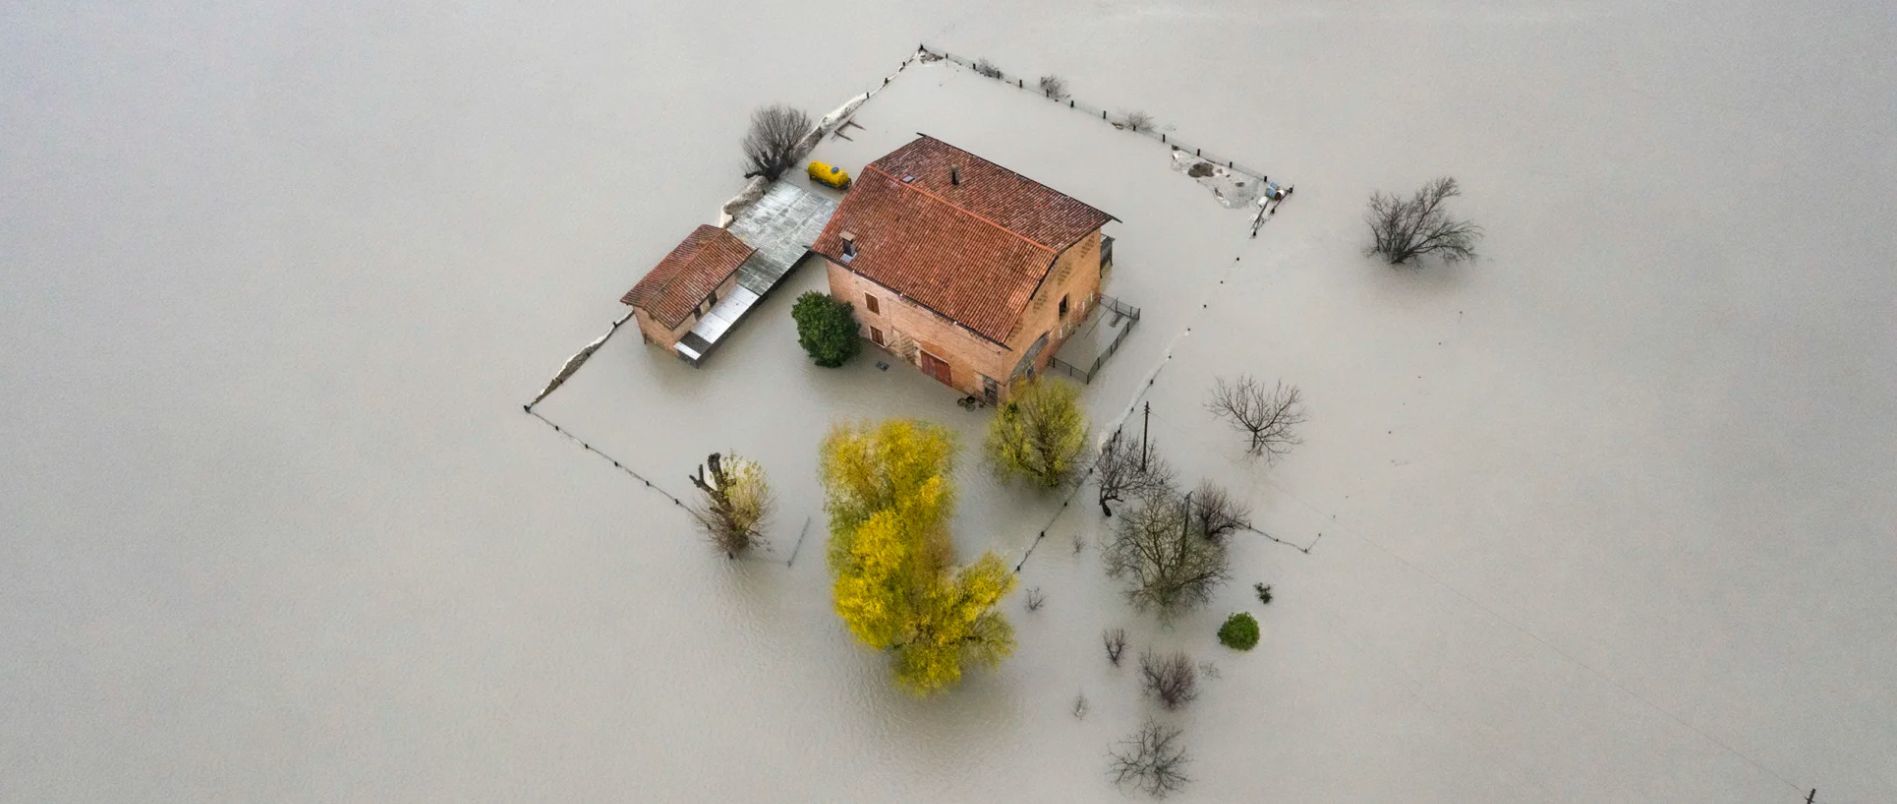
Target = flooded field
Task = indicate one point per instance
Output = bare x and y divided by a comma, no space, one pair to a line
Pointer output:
1604,515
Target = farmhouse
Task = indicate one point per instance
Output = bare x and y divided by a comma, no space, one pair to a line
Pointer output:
964,268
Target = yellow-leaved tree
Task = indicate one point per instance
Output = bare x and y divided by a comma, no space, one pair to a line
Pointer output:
889,498
1040,433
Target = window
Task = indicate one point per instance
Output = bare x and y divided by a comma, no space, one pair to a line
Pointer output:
1063,307
989,389
876,335
870,302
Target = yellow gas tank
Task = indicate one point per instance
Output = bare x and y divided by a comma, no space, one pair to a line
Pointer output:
826,173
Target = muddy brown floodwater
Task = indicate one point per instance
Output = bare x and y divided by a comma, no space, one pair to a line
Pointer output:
1605,515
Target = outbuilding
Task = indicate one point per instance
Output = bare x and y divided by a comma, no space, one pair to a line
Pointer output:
685,286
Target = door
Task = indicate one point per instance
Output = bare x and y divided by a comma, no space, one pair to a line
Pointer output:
938,368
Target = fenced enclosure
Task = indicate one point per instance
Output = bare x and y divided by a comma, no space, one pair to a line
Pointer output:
1122,318
1135,121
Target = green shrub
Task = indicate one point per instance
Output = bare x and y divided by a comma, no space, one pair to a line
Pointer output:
1240,631
826,329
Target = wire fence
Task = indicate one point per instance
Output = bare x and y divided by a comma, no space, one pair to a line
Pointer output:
1133,121
634,474
1126,312
677,502
1128,121
925,54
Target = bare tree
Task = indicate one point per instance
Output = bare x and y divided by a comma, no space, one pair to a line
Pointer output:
1152,761
1115,642
1035,599
1139,121
1214,513
771,146
735,501
1053,87
987,68
1170,678
1165,564
1122,470
1401,228
1269,417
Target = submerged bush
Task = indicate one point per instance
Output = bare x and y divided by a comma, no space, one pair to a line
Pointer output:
1240,631
1170,678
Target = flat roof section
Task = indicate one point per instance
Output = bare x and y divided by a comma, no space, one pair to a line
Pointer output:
780,226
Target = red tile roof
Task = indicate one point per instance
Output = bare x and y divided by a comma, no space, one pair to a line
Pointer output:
974,251
687,275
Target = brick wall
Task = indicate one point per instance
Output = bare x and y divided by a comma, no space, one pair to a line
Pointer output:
1076,276
908,330
656,333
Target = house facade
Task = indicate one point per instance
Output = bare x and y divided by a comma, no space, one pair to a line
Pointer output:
684,286
969,271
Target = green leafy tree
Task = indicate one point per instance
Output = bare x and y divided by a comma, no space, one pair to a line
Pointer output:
889,498
826,328
1039,434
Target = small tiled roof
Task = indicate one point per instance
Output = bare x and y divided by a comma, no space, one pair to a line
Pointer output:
973,251
687,275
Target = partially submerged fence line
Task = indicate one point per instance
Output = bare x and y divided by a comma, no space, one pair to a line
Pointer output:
617,465
828,124
660,490
1125,413
834,121
800,542
1100,113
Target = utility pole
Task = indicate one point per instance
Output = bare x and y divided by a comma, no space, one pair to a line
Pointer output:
1811,796
1144,426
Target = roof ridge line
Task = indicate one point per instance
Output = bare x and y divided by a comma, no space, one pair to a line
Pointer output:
959,208
1017,174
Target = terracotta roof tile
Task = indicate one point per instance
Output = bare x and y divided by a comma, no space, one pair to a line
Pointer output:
687,275
973,251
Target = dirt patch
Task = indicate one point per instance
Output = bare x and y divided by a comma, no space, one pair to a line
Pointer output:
1199,170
